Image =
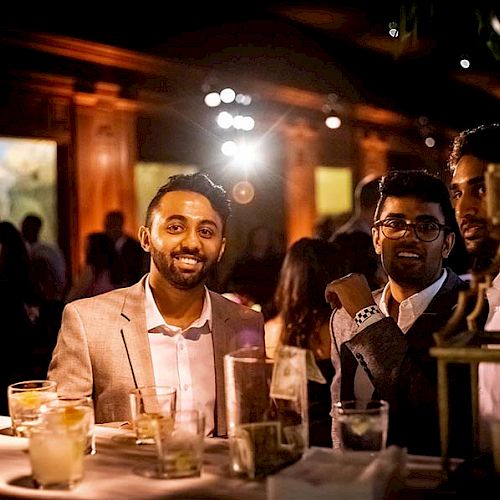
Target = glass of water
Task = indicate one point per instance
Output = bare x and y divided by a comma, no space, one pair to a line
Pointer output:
73,404
146,403
57,447
25,400
179,438
361,425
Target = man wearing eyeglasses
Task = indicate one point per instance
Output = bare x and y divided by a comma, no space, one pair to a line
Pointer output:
381,340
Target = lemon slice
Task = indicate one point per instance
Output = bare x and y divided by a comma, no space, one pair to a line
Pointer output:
30,399
72,415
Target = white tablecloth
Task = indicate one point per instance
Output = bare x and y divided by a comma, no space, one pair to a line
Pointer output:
109,473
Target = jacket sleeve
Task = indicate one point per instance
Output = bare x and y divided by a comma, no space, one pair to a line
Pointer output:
383,352
70,365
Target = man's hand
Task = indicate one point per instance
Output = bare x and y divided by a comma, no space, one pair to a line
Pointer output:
350,292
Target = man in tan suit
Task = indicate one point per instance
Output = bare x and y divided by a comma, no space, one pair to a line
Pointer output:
167,329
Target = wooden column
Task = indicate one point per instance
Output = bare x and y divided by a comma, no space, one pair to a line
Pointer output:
301,158
105,152
374,154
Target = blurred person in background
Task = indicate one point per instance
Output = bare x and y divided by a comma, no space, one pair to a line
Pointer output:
134,259
324,227
29,322
303,319
365,201
103,269
356,236
254,276
48,262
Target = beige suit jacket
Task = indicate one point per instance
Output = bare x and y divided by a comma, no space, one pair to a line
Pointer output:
103,349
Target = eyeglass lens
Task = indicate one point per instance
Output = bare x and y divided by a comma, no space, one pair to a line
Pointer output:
425,231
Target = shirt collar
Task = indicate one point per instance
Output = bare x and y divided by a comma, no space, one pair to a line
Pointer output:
155,321
417,302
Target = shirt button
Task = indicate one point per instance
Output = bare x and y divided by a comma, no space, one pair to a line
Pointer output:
181,347
186,387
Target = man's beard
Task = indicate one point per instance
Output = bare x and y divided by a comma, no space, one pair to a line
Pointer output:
403,278
483,254
418,278
182,281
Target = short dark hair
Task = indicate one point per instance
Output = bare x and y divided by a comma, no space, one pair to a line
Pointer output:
198,183
34,221
417,184
367,192
483,142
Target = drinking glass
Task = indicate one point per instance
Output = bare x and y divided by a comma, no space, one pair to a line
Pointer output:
362,425
57,445
74,403
179,438
146,403
266,408
25,399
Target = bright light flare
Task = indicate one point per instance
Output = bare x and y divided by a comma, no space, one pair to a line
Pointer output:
430,142
227,95
212,100
465,63
243,192
333,122
225,120
229,148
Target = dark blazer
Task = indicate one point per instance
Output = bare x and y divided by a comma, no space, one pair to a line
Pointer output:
404,373
103,349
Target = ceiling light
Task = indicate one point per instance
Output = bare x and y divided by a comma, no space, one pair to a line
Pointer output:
430,142
465,62
227,95
212,99
393,29
224,120
333,122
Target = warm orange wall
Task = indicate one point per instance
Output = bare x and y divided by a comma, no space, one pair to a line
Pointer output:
301,158
105,146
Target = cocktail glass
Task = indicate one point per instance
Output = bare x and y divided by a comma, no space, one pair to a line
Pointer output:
362,425
146,403
179,438
57,445
76,403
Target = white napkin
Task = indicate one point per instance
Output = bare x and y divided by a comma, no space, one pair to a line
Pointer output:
324,474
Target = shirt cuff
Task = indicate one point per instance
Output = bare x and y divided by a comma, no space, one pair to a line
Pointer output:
367,316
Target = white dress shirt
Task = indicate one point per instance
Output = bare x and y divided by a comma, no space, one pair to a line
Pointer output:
409,310
184,358
489,373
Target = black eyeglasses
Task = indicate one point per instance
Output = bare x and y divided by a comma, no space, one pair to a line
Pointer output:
395,229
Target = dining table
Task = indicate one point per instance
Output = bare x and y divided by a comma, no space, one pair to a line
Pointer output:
110,472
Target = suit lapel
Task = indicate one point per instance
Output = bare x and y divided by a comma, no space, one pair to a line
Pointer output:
220,343
135,336
440,308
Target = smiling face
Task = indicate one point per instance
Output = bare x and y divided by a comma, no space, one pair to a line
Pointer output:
410,262
185,239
